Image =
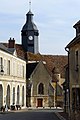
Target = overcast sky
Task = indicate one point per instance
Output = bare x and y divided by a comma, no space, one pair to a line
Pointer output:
54,19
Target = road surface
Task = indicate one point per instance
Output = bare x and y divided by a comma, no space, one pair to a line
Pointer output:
29,115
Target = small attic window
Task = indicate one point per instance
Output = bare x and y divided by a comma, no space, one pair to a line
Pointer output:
77,27
78,30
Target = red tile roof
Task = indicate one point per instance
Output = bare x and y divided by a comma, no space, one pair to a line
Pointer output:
57,61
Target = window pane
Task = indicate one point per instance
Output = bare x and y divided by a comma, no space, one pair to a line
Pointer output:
40,89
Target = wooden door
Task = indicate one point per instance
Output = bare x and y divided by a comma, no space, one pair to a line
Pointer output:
40,102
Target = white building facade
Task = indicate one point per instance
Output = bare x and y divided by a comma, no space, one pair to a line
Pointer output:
12,79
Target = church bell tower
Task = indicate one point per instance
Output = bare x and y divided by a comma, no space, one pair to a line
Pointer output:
30,34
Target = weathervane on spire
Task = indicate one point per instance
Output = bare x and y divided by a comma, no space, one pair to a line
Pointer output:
29,5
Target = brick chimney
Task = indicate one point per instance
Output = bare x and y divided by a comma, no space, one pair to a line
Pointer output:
11,43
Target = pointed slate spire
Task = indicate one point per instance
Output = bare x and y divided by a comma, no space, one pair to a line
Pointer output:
30,5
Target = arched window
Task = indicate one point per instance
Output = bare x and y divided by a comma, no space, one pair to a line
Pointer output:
13,95
8,96
23,96
1,96
18,95
41,89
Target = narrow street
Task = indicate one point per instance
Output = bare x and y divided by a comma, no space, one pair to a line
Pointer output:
30,115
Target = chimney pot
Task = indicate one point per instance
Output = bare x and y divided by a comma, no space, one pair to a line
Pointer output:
11,43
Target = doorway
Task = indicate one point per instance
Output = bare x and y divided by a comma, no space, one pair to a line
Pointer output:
40,102
8,96
1,96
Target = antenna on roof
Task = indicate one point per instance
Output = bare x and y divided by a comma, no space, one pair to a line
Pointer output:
29,5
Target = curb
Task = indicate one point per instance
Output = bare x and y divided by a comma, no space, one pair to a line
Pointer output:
59,116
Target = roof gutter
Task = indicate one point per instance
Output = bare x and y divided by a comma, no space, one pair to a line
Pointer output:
67,49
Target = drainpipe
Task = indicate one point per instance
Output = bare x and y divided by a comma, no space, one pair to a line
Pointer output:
68,80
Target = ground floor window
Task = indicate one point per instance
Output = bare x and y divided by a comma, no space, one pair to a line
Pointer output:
1,96
75,98
8,96
23,96
13,95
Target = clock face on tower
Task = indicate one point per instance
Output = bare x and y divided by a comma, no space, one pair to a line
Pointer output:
30,37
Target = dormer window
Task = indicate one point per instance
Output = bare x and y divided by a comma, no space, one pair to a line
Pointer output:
78,31
77,27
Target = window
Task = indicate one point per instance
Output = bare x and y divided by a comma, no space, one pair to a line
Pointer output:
14,68
18,95
76,60
23,96
5,66
13,95
18,70
23,71
1,63
75,98
41,89
8,67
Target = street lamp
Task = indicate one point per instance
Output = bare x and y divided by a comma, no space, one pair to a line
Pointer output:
68,82
1,70
56,94
28,93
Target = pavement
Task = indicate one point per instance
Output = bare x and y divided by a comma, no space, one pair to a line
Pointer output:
59,112
62,115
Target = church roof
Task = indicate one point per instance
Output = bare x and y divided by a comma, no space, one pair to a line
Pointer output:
30,13
57,61
29,26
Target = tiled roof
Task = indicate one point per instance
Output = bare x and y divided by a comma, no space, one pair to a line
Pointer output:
57,61
76,40
2,47
19,49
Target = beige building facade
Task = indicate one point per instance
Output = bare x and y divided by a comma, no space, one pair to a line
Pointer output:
12,78
45,89
73,49
40,88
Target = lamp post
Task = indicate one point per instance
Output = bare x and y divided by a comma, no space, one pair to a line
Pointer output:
1,70
68,82
56,94
29,86
1,73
